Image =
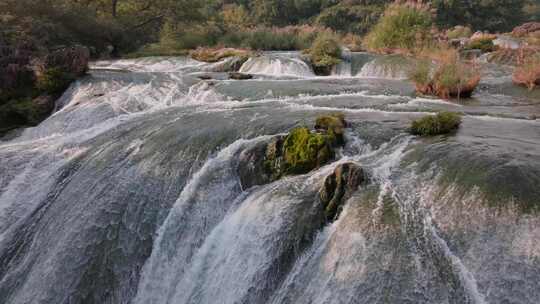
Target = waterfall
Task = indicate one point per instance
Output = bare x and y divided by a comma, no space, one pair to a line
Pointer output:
130,192
277,64
388,67
344,68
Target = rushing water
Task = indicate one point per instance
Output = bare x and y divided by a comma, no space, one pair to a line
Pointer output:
129,193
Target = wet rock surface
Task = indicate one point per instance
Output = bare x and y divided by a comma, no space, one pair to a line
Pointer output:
240,76
339,186
299,152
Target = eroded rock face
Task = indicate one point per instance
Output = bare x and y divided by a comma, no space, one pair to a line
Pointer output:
339,186
73,60
256,166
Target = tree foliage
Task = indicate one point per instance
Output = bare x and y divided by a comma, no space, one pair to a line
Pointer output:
120,26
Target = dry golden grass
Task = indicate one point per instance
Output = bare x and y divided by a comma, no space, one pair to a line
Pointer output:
449,77
527,73
216,54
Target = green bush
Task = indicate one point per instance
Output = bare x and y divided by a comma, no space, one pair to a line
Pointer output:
401,27
442,123
485,45
324,54
264,39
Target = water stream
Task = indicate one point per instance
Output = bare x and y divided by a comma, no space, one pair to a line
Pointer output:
129,192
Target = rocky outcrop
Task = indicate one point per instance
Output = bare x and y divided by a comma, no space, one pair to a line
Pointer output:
338,187
299,152
525,29
507,42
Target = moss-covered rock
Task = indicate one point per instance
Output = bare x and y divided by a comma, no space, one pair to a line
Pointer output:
298,152
25,112
304,151
442,123
338,187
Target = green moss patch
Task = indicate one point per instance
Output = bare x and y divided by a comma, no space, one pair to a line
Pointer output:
305,150
442,123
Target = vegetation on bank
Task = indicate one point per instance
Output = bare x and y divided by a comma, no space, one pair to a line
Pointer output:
30,81
117,28
402,27
528,72
459,32
431,125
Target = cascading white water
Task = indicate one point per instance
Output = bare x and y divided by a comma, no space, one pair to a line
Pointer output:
130,193
344,68
393,67
277,65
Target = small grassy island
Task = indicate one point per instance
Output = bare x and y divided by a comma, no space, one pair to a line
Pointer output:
441,123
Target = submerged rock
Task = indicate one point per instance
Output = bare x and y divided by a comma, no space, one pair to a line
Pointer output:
239,76
338,187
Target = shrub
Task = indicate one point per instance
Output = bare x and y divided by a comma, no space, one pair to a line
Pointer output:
401,27
442,123
443,74
528,72
265,39
484,44
459,32
54,81
175,37
324,54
